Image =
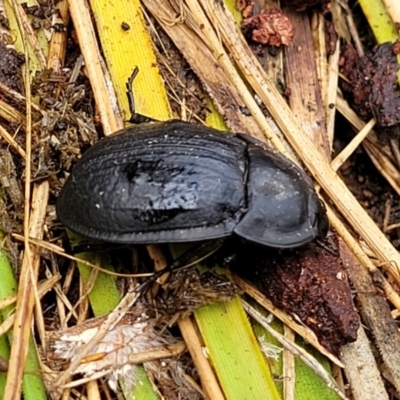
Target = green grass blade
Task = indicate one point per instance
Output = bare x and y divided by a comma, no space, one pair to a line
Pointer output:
5,355
235,353
379,20
308,383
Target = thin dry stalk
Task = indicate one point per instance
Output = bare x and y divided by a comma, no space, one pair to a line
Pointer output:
166,351
330,91
27,291
10,140
93,391
18,97
43,287
208,379
376,312
344,155
10,114
384,165
352,27
26,294
319,40
224,86
61,252
288,370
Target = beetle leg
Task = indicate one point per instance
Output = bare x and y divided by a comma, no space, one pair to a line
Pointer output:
129,88
329,245
189,258
135,117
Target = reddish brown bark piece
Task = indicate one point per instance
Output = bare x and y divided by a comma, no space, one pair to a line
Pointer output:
371,83
312,284
270,27
245,7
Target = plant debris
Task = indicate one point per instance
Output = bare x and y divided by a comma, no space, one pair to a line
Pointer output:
114,356
302,5
142,330
185,91
188,290
269,28
331,37
11,62
371,83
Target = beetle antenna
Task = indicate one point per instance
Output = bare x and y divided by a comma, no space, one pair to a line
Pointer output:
185,260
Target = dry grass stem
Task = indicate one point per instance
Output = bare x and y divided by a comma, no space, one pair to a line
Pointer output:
330,100
319,47
352,27
99,79
167,351
288,370
10,114
201,59
26,294
10,140
58,42
18,97
372,138
341,158
384,165
61,252
375,310
208,379
43,288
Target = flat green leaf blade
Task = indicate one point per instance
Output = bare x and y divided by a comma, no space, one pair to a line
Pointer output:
234,351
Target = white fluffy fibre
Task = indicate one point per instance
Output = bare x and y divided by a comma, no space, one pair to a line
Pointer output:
113,351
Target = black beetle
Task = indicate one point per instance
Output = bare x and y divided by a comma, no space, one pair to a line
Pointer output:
177,182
